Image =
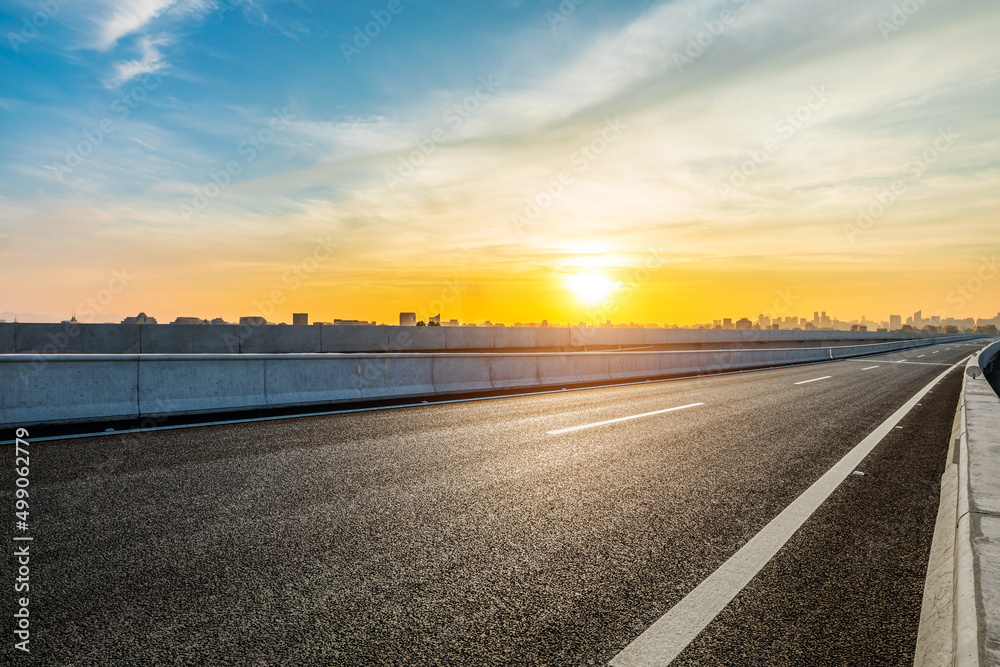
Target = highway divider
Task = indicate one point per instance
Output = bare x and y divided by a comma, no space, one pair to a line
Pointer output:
960,614
40,389
76,338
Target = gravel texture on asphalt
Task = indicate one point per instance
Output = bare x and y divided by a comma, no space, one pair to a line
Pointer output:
464,534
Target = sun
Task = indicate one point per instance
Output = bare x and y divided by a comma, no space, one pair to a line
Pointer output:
590,288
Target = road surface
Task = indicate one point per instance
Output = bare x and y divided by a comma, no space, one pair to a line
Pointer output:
547,529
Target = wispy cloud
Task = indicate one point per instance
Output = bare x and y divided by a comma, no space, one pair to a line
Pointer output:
116,19
150,61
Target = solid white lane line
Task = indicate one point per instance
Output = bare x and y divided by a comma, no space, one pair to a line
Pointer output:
621,419
921,355
869,368
825,377
666,638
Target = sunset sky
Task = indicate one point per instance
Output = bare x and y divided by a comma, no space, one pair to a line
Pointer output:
650,161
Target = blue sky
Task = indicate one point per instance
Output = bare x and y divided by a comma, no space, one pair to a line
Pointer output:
121,119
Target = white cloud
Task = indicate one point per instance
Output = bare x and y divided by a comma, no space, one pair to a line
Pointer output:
151,61
119,18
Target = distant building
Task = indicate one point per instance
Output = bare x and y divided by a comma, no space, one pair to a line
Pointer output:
407,319
253,320
435,319
189,320
450,323
141,318
300,318
353,323
218,320
743,323
895,322
71,320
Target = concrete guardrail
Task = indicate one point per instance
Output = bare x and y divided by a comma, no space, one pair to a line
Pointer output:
960,614
51,339
39,389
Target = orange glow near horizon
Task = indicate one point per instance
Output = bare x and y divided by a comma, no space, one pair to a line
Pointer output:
678,292
594,183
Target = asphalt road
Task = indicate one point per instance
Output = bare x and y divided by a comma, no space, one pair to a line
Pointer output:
467,534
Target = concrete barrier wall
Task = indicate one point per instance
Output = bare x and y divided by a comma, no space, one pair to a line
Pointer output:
190,339
356,339
7,339
30,338
281,340
514,337
960,613
980,523
63,388
49,339
96,387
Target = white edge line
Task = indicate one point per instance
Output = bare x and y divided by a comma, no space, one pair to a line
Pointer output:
622,419
913,363
869,368
825,377
325,413
665,639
